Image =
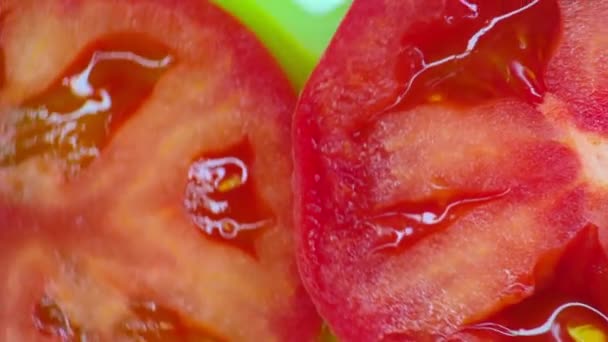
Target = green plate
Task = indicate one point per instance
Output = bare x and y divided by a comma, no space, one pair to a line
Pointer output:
295,31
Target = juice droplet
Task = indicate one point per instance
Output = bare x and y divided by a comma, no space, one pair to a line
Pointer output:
75,117
222,200
479,50
154,323
50,320
406,223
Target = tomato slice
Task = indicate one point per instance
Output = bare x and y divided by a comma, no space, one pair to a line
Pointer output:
144,177
445,158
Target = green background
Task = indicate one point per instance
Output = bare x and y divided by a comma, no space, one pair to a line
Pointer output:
295,36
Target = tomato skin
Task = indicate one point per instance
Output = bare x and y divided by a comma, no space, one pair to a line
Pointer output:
360,153
96,243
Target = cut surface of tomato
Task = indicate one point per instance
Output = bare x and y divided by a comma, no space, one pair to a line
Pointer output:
144,177
444,155
572,299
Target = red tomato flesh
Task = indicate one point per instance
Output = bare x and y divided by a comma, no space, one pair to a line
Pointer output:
573,296
145,177
440,162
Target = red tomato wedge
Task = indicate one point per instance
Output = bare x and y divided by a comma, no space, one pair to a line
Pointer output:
447,152
145,176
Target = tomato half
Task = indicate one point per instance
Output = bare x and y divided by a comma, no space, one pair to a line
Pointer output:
144,177
447,153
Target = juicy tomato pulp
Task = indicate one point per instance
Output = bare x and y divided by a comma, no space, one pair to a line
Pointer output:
508,44
222,199
441,173
72,120
570,306
144,177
